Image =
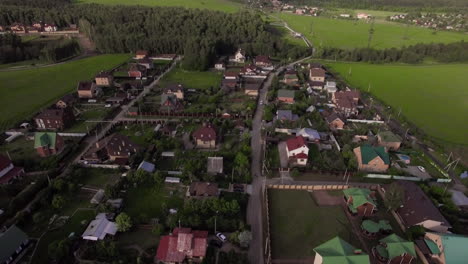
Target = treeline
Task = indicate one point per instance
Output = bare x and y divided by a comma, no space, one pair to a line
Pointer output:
453,52
37,3
199,34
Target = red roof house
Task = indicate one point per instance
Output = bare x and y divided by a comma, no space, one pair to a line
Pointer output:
297,150
205,136
182,244
263,61
8,171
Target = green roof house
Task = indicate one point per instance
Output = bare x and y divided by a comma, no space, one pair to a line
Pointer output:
338,251
372,228
286,96
12,242
389,140
47,143
394,249
360,201
444,248
373,159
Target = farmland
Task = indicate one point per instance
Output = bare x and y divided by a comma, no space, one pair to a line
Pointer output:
432,97
218,5
348,34
24,92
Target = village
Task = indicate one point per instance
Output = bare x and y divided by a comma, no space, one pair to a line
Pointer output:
162,168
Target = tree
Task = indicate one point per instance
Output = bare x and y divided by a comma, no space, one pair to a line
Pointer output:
394,197
415,232
244,238
58,201
59,249
124,222
38,217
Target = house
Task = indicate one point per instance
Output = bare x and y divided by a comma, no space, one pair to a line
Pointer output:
317,75
205,136
220,64
66,101
184,244
373,159
360,201
229,85
395,250
203,189
290,77
87,90
345,15
444,248
330,87
115,148
252,87
418,209
297,151
250,70
334,120
165,57
141,54
146,166
310,134
18,28
239,57
170,104
285,115
286,96
372,229
336,250
263,61
31,30
136,70
389,140
176,89
8,171
48,143
363,16
104,79
54,119
119,98
215,165
231,75
316,85
146,62
13,241
50,28
347,102
99,228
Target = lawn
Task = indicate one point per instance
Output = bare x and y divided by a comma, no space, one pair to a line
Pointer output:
218,5
298,225
24,92
100,177
347,34
192,79
432,97
20,148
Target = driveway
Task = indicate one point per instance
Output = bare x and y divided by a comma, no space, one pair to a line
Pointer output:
283,155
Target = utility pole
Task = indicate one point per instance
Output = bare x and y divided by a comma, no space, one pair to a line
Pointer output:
216,216
344,176
399,112
371,33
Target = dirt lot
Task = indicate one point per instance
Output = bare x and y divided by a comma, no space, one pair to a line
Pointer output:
323,198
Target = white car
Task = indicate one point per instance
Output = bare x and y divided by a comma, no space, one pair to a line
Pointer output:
421,168
261,102
221,237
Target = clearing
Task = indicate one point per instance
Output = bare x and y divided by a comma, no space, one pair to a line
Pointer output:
432,97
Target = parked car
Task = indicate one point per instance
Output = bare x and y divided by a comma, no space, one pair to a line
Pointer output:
421,168
261,102
216,243
221,237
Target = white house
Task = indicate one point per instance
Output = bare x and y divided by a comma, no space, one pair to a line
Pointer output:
50,28
297,150
363,16
239,57
330,87
99,228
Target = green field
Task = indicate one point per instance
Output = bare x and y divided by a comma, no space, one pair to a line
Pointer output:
192,79
24,92
218,5
433,97
346,34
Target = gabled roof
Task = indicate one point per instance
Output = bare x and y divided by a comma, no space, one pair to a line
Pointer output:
388,136
286,115
215,165
43,139
10,240
286,93
85,86
360,196
262,58
338,251
182,243
317,72
203,189
146,166
454,248
99,228
334,116
374,227
368,153
295,143
205,133
396,246
308,133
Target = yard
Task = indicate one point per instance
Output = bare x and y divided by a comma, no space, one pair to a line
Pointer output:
99,177
192,79
88,114
24,92
21,148
421,92
298,225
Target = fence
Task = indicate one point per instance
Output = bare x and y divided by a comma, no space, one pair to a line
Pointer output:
365,121
320,187
404,178
104,166
72,134
266,223
212,115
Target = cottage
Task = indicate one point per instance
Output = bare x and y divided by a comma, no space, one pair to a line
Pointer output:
184,244
229,85
395,250
239,57
54,119
290,77
114,148
48,143
8,171
146,62
317,75
87,90
360,201
104,79
285,115
66,101
205,136
136,70
373,159
203,189
250,70
141,54
444,248
297,151
347,102
99,228
389,140
363,16
286,96
176,89
336,250
310,134
13,241
334,120
231,75
215,165
220,64
170,104
263,61
252,87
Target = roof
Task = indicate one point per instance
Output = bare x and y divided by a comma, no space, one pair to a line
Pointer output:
4,162
99,228
182,243
432,246
215,165
146,166
295,143
205,133
317,72
417,207
104,74
316,83
174,87
388,136
252,86
308,133
10,240
338,251
396,246
142,52
454,248
85,86
203,189
286,115
43,139
374,227
231,74
334,116
286,93
54,114
347,99
360,196
368,153
262,58
113,145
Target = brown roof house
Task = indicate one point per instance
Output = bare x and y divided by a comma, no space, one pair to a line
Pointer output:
175,89
114,148
389,140
418,209
203,190
170,104
136,70
252,86
184,245
263,61
347,102
8,171
372,159
286,96
48,143
297,151
54,119
104,79
205,136
360,201
317,75
66,101
87,90
141,54
334,120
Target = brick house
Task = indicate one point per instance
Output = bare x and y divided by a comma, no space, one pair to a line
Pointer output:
66,101
203,190
175,89
48,143
297,151
373,159
136,70
389,140
87,90
317,75
141,54
360,201
184,244
114,148
104,79
395,250
205,136
8,171
54,119
286,96
347,102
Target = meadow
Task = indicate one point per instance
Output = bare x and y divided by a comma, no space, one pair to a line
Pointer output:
347,34
217,5
192,79
433,97
24,92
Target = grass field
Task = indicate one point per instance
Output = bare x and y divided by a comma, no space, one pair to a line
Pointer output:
218,5
192,79
351,34
433,97
24,92
298,225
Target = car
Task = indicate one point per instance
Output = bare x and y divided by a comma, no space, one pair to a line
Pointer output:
221,237
421,168
261,102
108,106
216,243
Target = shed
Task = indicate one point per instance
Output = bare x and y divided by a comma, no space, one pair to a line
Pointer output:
172,180
146,166
215,165
97,198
